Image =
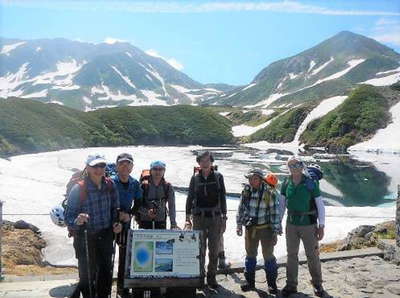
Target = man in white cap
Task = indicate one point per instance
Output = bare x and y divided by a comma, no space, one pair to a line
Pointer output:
93,203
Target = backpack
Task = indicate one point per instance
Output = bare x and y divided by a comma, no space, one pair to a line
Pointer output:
313,174
144,181
81,181
111,169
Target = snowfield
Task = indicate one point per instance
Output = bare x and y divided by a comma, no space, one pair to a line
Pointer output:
386,139
34,183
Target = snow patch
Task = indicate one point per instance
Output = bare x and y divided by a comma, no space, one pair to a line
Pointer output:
57,102
249,86
6,49
268,101
388,71
322,109
125,78
42,93
318,69
158,77
312,64
267,112
386,139
352,63
87,100
384,81
293,76
10,82
153,99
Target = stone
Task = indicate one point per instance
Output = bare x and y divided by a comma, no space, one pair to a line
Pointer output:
394,289
23,225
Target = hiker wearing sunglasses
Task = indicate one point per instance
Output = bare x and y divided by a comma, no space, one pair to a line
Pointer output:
259,213
92,214
129,192
305,221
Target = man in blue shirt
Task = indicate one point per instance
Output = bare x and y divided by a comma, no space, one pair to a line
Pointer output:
93,203
129,190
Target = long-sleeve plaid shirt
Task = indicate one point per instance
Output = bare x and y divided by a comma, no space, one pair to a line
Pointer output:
266,201
101,205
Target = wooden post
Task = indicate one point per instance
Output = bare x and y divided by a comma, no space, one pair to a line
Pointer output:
1,239
398,218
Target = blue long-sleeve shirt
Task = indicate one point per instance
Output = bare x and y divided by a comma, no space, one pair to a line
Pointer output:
100,204
128,192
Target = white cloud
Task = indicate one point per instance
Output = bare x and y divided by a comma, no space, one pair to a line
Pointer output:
288,6
387,30
171,61
111,40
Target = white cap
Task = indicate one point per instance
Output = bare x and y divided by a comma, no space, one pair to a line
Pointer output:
94,159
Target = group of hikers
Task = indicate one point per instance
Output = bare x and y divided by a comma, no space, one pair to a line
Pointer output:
99,209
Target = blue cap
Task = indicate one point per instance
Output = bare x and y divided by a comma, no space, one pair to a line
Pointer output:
157,164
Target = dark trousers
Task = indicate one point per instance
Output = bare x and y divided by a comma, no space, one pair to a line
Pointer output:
148,225
100,253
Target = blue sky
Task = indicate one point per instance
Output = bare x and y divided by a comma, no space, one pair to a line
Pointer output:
211,41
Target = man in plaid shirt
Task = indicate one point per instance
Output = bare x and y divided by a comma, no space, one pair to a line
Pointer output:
259,212
93,203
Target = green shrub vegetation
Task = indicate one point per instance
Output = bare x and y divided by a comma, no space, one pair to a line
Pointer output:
361,115
30,126
284,127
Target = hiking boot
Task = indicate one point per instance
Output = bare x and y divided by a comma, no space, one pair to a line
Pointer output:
123,293
271,273
222,263
319,291
250,282
212,281
287,291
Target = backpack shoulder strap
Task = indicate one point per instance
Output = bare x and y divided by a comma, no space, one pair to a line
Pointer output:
217,177
310,184
82,190
167,186
284,186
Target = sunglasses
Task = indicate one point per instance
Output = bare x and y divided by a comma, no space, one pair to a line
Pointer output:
297,165
99,166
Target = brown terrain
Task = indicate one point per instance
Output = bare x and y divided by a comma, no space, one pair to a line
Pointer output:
22,247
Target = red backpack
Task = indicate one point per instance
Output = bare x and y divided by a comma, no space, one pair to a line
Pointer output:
83,193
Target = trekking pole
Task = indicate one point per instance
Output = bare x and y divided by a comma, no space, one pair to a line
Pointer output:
85,233
112,261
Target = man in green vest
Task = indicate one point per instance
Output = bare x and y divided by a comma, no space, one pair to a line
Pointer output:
305,221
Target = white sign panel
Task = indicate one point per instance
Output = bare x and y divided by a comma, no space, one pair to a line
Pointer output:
164,253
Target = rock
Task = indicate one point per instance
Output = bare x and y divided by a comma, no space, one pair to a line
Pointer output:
394,289
23,225
361,231
385,226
